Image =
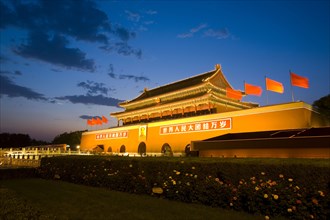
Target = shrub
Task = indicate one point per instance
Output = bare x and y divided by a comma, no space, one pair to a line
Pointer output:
298,189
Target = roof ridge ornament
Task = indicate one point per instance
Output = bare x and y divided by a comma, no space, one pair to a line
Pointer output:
217,66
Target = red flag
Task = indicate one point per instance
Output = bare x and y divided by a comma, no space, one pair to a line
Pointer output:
299,81
98,121
94,122
234,94
252,89
104,119
274,86
90,122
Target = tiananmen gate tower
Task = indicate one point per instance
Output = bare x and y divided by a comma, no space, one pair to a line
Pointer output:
176,118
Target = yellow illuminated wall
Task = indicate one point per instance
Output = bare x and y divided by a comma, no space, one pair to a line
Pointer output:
154,135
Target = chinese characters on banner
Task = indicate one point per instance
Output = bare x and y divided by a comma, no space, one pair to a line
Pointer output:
114,134
219,124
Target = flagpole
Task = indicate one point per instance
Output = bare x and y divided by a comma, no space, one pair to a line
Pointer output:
266,91
291,86
244,88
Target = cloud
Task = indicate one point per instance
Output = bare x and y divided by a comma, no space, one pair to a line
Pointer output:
198,28
9,88
94,88
56,70
54,50
148,22
136,78
124,34
185,35
123,48
86,117
151,12
133,16
192,31
7,13
79,19
91,99
112,75
219,34
16,72
139,19
111,72
61,20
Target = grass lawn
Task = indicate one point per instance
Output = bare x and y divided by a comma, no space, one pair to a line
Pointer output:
61,200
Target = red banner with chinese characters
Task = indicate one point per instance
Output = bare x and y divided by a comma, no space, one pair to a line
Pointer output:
112,135
210,125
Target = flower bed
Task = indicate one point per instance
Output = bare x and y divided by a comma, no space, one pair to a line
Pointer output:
269,188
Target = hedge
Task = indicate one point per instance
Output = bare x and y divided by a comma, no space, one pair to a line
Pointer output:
297,189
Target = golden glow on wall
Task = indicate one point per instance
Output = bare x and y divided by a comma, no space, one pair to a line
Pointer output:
293,115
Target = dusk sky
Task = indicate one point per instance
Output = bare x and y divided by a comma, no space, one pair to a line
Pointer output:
64,61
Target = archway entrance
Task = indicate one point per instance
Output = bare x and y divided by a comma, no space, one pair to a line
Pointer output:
109,149
167,150
142,149
122,149
187,150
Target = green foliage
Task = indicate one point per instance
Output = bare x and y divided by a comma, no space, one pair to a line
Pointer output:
323,105
297,189
72,139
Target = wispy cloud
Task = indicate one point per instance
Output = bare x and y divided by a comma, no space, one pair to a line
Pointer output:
124,34
151,12
135,78
113,75
111,71
16,72
185,35
91,99
94,88
86,117
192,31
12,90
123,48
219,34
133,16
141,20
222,33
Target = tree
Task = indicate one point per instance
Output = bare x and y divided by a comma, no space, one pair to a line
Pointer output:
323,105
8,140
72,139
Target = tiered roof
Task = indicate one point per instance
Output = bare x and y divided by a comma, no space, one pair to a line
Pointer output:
205,88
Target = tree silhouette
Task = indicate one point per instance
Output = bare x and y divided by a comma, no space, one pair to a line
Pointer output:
323,105
8,140
72,139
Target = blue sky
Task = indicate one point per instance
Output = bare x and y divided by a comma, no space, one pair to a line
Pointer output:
65,61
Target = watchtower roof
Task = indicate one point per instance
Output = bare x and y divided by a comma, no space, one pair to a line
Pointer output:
178,85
